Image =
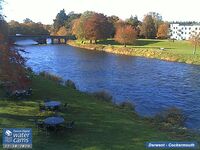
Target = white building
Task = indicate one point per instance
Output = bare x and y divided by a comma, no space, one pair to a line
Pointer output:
183,32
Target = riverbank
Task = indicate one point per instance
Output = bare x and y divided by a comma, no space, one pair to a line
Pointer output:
167,54
99,125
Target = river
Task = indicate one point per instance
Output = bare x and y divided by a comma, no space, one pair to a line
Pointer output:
152,85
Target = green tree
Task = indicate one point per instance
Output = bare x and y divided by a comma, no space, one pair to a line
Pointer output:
148,29
60,20
157,19
133,21
69,22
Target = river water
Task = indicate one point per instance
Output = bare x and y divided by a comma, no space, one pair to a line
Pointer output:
152,85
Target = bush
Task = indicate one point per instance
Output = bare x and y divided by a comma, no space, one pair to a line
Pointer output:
71,84
127,105
51,77
103,95
171,117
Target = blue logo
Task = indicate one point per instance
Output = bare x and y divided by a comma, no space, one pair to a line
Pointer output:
172,145
17,138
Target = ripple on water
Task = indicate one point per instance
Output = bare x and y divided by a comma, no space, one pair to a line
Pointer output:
152,85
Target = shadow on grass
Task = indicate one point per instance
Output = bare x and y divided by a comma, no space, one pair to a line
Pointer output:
146,42
108,42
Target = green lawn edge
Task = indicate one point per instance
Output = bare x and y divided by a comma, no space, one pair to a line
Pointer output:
178,51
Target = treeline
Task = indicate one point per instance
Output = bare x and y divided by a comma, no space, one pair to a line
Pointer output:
96,26
13,75
28,27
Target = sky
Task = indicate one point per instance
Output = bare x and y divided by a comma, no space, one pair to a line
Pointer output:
45,10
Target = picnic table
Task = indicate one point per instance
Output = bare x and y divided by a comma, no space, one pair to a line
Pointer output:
53,121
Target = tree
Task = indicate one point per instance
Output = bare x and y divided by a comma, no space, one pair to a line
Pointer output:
30,28
125,34
61,17
1,15
157,19
195,41
27,20
97,27
92,26
71,16
62,31
148,29
78,25
163,31
133,21
113,19
12,65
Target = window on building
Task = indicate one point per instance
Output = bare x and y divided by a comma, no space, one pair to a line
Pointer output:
189,28
195,28
174,28
185,28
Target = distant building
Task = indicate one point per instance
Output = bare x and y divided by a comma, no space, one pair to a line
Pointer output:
183,31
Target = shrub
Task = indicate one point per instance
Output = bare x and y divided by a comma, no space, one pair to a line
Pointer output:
71,84
127,105
171,117
51,77
103,95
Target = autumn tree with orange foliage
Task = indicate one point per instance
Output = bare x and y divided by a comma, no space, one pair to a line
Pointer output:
163,31
125,34
97,27
78,28
13,74
92,26
62,31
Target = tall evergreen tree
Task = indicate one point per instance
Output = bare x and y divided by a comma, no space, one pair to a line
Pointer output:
60,20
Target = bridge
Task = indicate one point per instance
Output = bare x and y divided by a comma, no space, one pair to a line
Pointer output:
42,39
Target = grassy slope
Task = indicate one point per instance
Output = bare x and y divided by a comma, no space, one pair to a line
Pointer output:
178,47
99,125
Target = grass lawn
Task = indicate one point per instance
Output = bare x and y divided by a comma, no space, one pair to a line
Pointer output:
99,125
177,47
177,51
